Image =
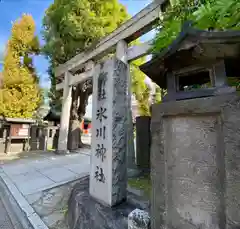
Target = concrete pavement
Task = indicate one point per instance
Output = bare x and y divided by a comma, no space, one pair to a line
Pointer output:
35,175
5,222
26,177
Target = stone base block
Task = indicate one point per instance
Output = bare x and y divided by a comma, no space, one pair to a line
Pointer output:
61,152
133,172
195,160
84,212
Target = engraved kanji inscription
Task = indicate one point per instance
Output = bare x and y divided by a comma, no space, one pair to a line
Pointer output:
99,175
101,152
101,132
102,86
101,114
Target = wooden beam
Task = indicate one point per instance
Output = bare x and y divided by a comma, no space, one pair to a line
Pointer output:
138,25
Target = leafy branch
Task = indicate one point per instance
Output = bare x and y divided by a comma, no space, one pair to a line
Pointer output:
217,15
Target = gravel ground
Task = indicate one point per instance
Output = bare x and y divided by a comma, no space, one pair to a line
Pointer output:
5,222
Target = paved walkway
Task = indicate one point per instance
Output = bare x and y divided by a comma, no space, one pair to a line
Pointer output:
34,172
31,175
5,222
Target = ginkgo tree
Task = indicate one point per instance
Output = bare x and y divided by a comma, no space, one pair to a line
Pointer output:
20,94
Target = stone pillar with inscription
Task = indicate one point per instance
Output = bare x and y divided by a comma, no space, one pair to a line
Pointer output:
108,176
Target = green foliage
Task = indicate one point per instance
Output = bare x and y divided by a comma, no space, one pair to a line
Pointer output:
142,183
20,95
158,94
235,82
71,26
140,89
216,15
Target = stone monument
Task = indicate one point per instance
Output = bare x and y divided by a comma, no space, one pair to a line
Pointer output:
195,133
108,177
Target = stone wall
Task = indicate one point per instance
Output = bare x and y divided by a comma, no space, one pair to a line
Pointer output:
195,163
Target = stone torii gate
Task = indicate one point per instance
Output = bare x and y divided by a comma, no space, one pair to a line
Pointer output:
117,69
137,26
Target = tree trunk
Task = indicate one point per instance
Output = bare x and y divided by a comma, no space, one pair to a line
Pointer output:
78,111
84,93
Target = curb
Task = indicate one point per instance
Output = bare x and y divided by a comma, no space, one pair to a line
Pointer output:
20,212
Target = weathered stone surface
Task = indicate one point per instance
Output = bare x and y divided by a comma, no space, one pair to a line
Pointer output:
138,219
61,152
86,213
33,197
109,133
74,134
53,219
49,201
52,205
5,222
195,163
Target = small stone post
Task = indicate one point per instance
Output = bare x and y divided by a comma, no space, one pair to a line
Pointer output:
65,115
42,138
108,177
33,139
138,219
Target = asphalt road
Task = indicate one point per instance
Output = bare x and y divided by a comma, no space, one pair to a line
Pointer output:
5,222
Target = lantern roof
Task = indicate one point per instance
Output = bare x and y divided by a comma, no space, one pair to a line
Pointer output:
192,50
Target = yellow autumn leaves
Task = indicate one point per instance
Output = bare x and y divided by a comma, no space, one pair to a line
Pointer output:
20,94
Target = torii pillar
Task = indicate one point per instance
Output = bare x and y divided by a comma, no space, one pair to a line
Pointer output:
65,115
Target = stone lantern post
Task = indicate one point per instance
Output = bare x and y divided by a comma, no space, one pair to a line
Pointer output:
195,146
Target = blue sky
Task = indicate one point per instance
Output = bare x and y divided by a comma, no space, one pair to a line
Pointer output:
10,10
